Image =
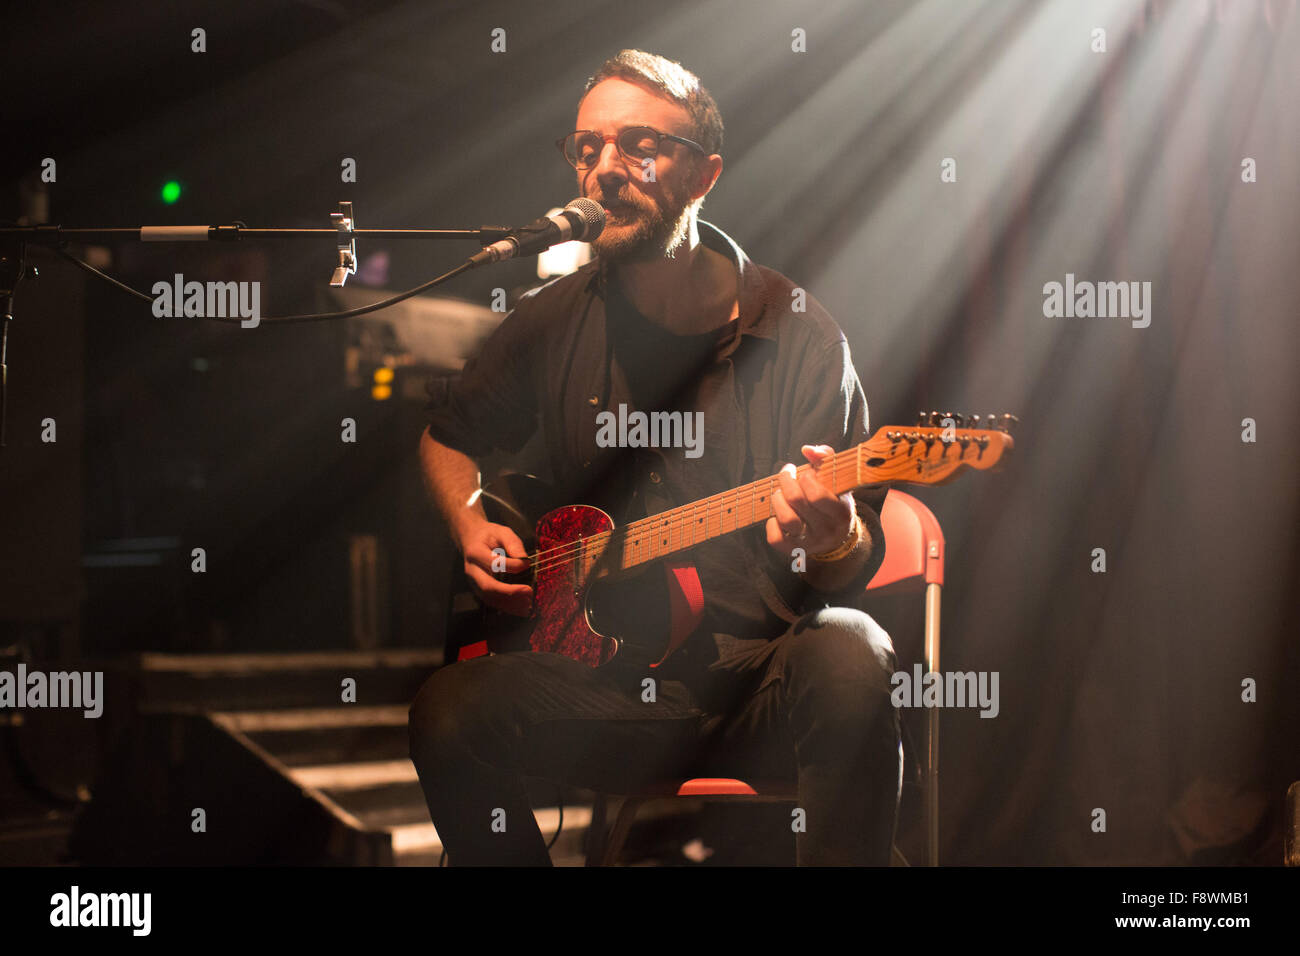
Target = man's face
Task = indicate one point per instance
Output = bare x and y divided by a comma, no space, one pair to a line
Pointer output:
644,220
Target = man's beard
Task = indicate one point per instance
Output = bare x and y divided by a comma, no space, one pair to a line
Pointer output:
643,232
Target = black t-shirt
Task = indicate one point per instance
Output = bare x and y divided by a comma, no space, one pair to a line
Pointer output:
664,373
662,368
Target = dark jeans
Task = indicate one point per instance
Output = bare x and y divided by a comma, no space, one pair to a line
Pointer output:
811,706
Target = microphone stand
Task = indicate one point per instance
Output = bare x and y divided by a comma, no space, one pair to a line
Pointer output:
13,268
14,240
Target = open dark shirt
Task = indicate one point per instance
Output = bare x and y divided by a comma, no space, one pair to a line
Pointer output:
770,381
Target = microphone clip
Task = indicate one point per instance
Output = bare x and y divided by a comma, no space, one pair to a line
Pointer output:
347,245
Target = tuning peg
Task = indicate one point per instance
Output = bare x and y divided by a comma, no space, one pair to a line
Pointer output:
936,419
974,422
1008,422
920,419
959,420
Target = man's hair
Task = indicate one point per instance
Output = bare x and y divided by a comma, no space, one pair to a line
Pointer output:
672,81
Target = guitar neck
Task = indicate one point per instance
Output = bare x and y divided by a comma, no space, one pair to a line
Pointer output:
919,455
679,529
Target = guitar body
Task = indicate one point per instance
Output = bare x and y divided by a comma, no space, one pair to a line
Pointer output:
581,607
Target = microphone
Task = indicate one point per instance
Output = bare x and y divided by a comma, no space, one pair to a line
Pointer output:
582,219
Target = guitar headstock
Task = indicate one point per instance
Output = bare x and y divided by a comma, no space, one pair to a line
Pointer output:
938,446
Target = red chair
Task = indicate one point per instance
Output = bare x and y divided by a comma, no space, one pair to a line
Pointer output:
913,556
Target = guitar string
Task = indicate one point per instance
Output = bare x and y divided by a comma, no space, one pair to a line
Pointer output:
571,551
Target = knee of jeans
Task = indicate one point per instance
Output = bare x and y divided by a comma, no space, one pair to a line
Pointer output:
439,720
840,642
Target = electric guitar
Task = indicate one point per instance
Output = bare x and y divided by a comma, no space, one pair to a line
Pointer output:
581,565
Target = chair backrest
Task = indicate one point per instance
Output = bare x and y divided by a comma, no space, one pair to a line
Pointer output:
913,543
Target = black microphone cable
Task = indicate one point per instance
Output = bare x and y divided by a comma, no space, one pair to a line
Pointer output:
312,317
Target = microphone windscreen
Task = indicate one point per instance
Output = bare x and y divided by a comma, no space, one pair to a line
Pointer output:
592,217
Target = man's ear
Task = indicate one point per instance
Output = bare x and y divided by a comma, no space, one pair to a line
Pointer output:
706,174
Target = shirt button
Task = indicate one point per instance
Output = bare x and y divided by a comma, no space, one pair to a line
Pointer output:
654,477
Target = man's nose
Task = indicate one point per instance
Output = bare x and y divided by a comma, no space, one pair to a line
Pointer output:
610,167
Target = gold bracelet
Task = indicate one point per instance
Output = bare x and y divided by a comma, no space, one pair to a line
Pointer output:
849,545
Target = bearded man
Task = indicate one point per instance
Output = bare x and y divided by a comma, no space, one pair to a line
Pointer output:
785,677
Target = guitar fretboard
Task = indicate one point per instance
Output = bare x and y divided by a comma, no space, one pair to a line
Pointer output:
669,532
665,534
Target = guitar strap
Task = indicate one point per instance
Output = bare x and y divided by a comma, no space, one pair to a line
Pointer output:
686,597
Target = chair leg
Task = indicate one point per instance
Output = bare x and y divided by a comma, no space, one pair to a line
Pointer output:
932,593
596,835
622,826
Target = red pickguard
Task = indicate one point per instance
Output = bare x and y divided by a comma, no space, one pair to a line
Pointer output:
559,589
563,624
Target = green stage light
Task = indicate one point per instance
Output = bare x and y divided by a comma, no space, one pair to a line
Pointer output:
171,192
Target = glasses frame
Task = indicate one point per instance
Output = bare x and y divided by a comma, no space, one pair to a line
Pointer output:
614,138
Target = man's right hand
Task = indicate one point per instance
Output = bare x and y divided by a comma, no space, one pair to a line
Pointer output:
477,545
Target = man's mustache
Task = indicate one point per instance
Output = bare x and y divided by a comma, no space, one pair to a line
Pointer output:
618,199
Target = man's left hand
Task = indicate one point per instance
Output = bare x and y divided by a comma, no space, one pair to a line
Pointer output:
807,515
